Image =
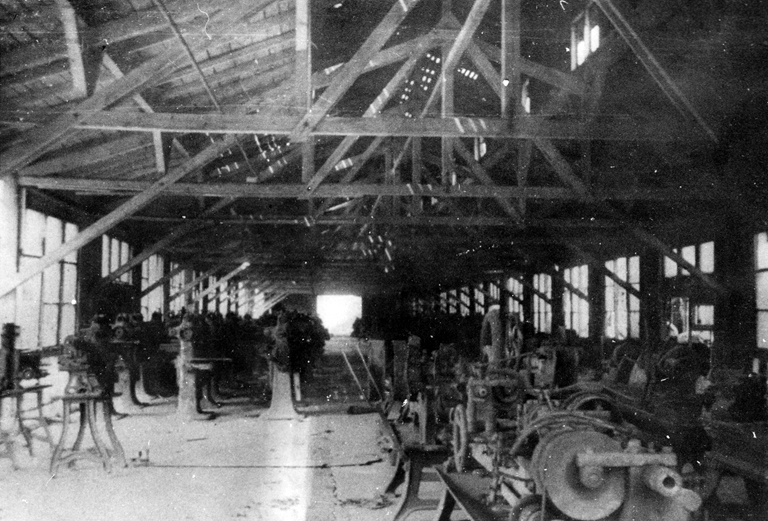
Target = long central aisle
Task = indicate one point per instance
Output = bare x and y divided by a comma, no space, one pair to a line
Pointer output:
326,466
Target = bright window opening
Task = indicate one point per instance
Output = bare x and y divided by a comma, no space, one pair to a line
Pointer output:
576,300
585,35
515,291
761,288
622,308
542,303
338,312
702,256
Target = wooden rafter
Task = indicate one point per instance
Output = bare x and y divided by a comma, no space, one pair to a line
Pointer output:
373,109
353,68
31,144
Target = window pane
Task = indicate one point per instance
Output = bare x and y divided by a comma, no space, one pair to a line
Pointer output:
761,284
761,251
69,286
34,231
670,267
51,282
634,269
28,295
114,255
707,257
53,234
67,326
594,38
70,231
704,315
49,325
104,255
621,268
762,329
688,253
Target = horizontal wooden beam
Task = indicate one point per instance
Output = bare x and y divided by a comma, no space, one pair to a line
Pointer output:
420,220
299,191
605,128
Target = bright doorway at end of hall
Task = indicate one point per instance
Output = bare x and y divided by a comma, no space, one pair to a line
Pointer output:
338,312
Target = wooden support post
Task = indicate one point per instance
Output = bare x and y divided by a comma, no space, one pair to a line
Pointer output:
124,211
186,406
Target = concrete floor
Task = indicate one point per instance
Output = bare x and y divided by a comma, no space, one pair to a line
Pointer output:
327,466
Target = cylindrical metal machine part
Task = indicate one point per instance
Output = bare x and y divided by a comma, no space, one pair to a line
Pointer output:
560,475
663,480
591,476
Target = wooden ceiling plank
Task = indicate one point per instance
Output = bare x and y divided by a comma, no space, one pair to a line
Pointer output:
133,205
651,64
196,66
32,144
353,68
260,53
74,50
81,158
